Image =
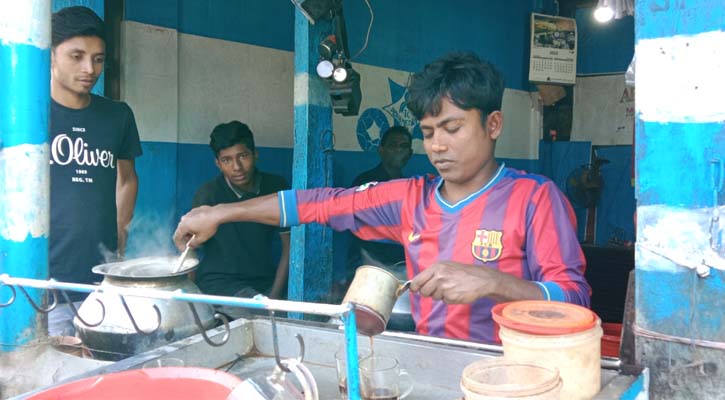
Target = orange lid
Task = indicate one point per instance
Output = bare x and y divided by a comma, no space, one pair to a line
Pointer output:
541,317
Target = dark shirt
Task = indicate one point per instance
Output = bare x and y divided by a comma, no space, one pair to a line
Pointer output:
377,174
239,255
368,252
86,145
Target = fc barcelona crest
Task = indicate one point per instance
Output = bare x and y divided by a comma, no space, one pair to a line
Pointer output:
487,245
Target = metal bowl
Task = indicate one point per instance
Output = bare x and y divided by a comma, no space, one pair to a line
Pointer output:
146,267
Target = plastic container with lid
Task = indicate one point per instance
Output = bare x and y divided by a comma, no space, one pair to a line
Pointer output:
557,335
497,378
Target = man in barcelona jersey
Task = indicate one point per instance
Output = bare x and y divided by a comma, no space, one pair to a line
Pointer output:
476,235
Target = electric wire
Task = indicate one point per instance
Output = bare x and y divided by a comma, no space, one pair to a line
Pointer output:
370,25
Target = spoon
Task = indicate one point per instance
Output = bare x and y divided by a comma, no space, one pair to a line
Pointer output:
183,255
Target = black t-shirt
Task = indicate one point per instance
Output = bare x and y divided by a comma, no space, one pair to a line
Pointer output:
86,145
240,253
377,174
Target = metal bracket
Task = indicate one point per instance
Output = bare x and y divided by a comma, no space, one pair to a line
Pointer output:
38,308
12,296
202,328
133,320
75,312
275,343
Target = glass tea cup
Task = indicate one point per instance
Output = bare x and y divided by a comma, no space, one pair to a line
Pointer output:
341,364
381,377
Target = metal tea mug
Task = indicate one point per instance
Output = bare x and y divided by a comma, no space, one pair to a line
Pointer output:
373,291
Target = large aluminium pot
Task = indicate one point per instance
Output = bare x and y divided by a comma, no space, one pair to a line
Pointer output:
115,337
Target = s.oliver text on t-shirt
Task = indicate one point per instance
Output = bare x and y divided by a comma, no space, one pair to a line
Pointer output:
65,150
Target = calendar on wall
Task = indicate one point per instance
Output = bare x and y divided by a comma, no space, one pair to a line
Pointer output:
553,49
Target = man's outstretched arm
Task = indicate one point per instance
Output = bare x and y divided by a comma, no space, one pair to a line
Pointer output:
203,221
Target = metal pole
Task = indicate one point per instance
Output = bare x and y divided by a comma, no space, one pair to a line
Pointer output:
258,302
311,256
24,169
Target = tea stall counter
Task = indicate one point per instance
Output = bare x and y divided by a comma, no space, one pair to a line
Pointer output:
435,368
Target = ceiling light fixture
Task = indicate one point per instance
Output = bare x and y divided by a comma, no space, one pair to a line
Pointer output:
603,13
346,96
334,64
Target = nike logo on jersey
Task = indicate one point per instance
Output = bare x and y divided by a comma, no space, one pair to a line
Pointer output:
412,237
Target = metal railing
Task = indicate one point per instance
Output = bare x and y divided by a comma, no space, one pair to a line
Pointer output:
259,302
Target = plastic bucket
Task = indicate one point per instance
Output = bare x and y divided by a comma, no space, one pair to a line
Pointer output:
556,335
171,383
498,378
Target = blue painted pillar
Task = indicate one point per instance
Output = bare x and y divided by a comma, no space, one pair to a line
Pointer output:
24,161
680,147
98,7
311,252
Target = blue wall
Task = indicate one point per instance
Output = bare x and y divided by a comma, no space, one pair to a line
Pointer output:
406,34
556,161
615,214
603,48
615,209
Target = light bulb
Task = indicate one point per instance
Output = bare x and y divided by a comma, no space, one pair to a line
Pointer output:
340,74
324,69
603,14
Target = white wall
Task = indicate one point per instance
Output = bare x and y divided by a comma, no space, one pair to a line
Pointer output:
181,85
149,79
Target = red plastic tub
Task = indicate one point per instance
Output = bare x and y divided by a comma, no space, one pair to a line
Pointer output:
171,383
611,339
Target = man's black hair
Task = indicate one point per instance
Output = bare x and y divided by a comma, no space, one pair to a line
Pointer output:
463,78
74,21
230,134
395,129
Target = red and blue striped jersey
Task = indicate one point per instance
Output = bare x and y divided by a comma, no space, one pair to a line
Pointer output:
519,223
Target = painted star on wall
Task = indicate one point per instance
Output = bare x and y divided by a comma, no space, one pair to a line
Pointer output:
398,109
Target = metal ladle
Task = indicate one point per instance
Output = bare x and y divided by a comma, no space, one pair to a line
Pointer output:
183,256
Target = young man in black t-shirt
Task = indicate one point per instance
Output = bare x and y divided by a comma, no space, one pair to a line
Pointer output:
94,140
237,260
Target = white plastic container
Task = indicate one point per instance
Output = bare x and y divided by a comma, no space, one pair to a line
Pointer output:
497,378
557,335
